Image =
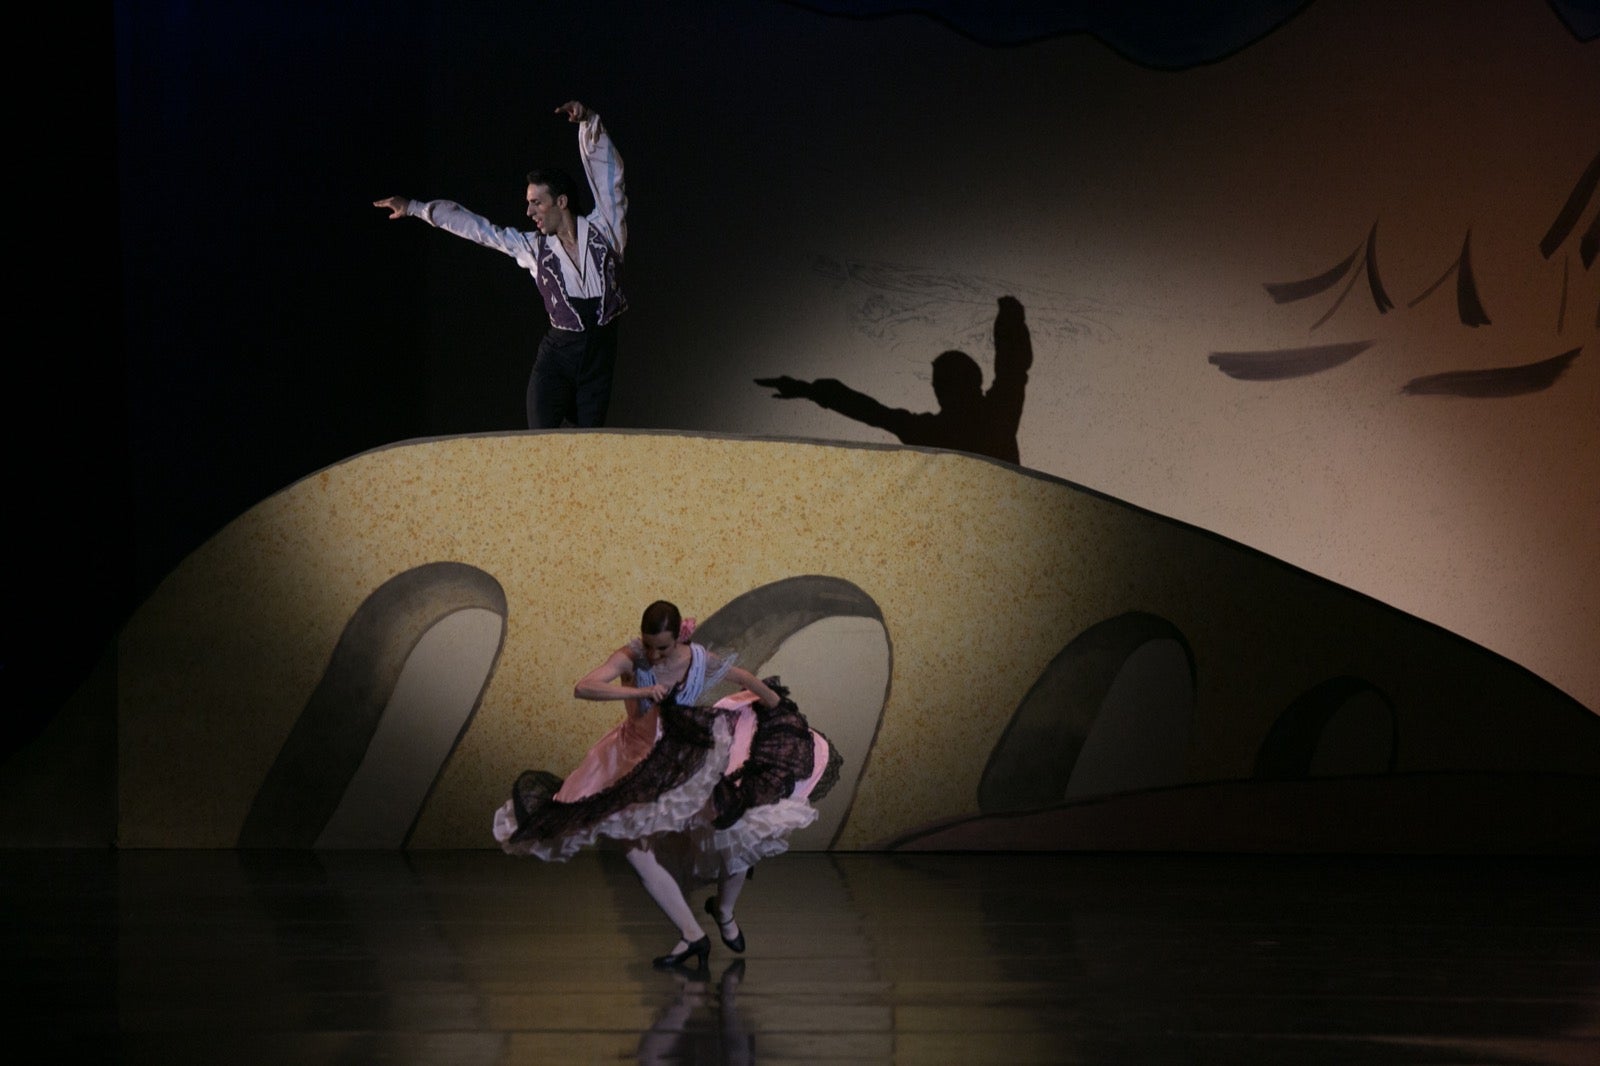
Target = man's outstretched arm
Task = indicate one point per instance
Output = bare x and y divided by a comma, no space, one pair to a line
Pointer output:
453,218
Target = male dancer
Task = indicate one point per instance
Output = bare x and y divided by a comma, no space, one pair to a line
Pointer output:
576,261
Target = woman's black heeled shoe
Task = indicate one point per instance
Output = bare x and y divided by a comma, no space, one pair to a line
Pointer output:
737,943
700,948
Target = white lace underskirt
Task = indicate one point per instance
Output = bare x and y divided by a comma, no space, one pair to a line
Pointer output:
762,833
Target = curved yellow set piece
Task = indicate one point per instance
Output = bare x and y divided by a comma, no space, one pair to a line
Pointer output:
370,656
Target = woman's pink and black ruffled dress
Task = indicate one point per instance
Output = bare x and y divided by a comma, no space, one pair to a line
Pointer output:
717,788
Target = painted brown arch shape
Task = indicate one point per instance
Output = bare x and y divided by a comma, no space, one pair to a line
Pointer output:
757,623
323,751
1287,751
1033,760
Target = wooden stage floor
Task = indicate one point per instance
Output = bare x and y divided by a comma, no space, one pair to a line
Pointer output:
245,957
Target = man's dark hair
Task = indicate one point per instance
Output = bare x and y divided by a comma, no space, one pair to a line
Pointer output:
558,182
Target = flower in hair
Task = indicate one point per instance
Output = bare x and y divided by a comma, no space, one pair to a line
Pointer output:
686,629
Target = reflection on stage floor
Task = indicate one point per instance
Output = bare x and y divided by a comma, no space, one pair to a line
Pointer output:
472,957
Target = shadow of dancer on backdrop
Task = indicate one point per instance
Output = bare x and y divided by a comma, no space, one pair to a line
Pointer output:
968,419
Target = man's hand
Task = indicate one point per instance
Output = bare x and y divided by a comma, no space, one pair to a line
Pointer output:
788,388
574,111
395,205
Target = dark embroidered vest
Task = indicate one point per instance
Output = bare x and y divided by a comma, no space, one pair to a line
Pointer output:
601,258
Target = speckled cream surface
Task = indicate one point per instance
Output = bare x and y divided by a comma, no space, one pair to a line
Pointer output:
982,571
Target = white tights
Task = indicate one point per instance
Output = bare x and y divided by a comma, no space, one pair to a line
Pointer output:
728,888
668,895
663,888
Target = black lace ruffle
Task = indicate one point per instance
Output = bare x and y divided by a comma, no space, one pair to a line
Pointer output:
678,753
830,773
781,753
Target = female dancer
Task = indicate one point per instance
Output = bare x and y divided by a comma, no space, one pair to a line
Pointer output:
707,790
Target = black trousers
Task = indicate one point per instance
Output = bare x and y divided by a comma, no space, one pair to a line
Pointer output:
571,379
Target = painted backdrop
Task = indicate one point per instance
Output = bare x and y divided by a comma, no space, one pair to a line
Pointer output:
1318,277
